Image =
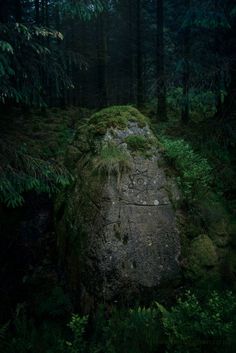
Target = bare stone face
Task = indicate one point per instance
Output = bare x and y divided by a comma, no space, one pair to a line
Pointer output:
133,242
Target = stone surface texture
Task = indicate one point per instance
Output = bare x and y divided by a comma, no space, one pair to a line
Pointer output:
132,243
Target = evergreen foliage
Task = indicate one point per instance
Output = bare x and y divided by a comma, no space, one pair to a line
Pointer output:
194,171
22,81
31,160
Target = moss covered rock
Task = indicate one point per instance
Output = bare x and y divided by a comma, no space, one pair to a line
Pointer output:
117,225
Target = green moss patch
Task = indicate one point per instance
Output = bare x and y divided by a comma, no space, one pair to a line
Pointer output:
139,143
116,117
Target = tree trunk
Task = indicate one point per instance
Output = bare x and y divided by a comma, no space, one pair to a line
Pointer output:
229,104
47,13
186,76
218,53
133,53
102,61
3,11
161,81
139,55
18,10
36,5
186,70
43,12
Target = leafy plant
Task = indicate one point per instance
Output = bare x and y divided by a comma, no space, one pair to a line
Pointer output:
78,326
194,326
195,172
136,330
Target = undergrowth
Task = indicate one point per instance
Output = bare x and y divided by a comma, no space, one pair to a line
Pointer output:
31,153
191,325
194,172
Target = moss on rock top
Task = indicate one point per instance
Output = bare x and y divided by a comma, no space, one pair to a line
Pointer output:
88,135
116,117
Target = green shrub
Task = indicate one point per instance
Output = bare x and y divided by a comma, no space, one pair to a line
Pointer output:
194,171
78,326
194,326
133,331
191,326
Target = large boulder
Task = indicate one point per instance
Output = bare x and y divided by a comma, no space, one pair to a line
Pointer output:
117,225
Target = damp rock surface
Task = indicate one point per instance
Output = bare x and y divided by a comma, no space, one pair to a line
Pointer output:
124,220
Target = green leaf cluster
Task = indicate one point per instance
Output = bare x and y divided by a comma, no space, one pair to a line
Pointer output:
195,173
192,325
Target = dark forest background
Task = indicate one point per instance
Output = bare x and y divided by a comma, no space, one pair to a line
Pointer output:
101,53
62,60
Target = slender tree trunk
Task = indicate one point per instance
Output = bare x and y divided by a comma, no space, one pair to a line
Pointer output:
161,81
229,104
139,55
18,10
36,5
102,61
186,77
217,47
43,11
46,13
132,32
186,71
128,14
3,11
